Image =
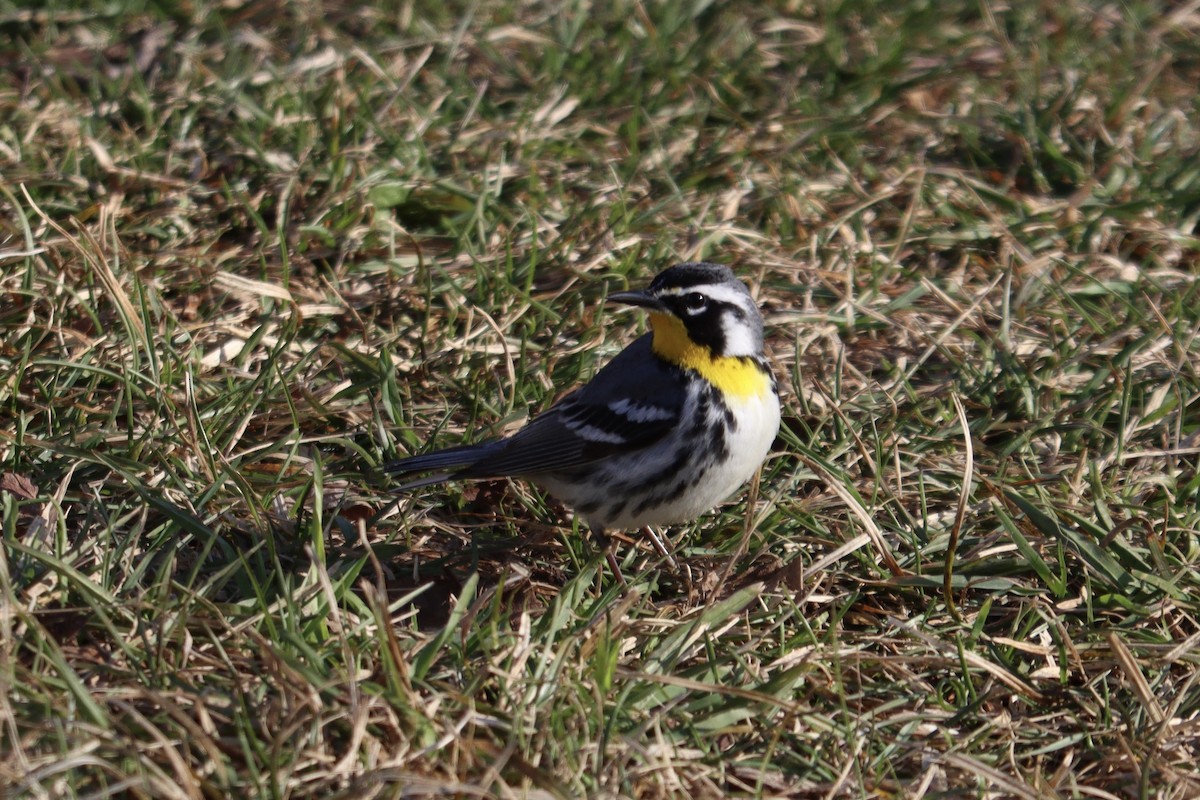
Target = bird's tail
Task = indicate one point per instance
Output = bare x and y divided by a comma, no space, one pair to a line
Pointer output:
450,460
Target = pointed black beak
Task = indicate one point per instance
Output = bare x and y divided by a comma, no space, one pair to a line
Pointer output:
636,298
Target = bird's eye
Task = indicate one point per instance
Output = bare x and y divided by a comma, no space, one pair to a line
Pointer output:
695,302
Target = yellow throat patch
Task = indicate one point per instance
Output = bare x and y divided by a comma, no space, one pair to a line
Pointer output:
732,375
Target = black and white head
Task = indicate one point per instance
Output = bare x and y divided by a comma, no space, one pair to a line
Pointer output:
715,308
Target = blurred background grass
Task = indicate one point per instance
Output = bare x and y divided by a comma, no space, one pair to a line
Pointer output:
249,250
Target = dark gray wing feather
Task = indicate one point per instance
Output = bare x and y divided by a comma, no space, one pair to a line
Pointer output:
633,402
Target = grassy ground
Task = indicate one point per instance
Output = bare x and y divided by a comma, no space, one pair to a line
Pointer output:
251,250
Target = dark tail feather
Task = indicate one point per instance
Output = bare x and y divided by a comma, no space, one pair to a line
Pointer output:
451,458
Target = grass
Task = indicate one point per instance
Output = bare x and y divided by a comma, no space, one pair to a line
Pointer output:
249,252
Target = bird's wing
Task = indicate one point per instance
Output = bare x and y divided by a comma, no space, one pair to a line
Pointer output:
633,402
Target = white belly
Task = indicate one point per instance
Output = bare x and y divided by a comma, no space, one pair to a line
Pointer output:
758,424
682,476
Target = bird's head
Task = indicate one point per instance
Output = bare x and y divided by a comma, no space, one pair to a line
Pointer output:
703,304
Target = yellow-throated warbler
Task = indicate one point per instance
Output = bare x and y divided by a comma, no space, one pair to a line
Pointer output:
665,431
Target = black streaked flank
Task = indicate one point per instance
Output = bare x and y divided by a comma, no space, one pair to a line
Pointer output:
616,509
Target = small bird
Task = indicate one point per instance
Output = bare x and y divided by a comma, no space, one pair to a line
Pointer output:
669,428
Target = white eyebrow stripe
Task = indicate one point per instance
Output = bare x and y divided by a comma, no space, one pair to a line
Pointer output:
714,291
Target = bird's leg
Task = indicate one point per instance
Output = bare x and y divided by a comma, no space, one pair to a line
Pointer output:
604,544
616,569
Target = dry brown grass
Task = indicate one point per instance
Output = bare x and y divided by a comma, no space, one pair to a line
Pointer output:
249,252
